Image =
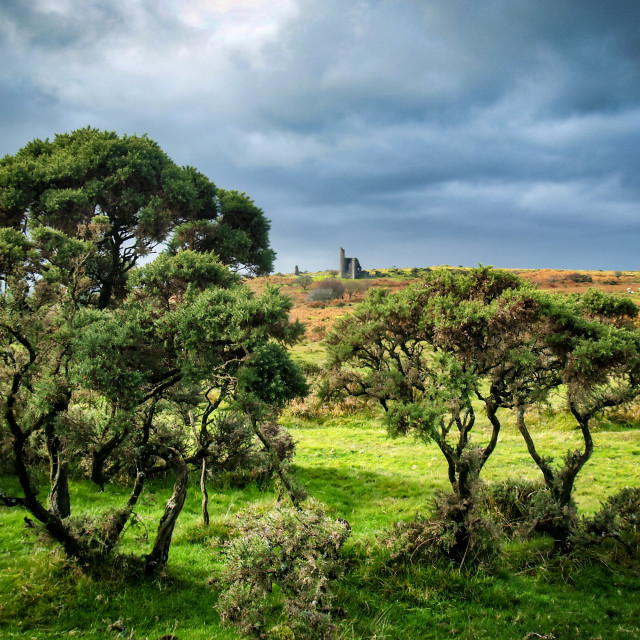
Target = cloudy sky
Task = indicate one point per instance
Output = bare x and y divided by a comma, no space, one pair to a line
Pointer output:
411,132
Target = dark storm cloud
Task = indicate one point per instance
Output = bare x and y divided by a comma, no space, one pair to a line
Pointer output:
411,132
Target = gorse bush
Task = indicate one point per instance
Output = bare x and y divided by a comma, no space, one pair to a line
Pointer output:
457,530
509,503
330,284
280,570
238,456
321,295
618,518
578,277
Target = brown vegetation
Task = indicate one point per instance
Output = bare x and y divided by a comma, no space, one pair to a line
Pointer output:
318,317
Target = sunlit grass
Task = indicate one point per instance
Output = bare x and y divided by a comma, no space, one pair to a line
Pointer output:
349,463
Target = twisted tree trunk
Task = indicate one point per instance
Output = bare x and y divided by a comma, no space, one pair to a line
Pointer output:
205,493
157,559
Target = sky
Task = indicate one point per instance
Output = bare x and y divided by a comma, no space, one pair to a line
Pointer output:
412,133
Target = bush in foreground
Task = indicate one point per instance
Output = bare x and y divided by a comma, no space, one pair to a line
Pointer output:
453,520
280,571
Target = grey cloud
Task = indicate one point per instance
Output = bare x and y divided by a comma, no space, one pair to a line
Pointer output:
445,131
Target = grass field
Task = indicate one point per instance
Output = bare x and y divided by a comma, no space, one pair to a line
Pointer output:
348,463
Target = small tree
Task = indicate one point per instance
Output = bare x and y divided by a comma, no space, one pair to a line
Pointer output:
134,362
96,354
137,195
304,281
595,365
424,354
355,287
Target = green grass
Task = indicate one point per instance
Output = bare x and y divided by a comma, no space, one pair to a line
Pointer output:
350,464
309,353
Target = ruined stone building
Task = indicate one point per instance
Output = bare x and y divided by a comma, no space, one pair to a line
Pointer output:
350,267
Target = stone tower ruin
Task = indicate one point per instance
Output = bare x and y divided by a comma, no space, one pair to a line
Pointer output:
350,267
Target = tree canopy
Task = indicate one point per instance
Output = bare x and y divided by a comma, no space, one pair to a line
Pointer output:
130,191
109,366
435,351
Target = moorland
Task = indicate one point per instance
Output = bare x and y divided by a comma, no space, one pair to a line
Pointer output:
345,459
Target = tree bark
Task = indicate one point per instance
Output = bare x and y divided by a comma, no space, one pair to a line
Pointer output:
547,472
100,456
116,526
492,414
275,461
59,500
53,523
562,523
159,555
576,460
205,493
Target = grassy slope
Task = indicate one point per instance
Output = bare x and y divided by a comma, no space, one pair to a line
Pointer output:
351,465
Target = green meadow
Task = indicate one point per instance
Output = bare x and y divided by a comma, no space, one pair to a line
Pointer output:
344,459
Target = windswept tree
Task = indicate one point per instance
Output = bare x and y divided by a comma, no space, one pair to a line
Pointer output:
136,194
135,361
427,354
101,361
593,364
431,353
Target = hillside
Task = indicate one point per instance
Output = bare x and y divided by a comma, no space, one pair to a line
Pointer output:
318,317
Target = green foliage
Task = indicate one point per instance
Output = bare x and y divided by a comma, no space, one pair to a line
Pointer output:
355,287
239,235
510,503
425,353
608,307
428,353
129,182
579,277
619,516
237,457
279,573
126,195
107,369
456,530
273,378
304,281
169,277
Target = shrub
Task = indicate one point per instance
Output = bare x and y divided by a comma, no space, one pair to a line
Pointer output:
456,531
280,570
619,514
625,415
548,516
238,457
578,277
304,281
333,284
510,502
355,287
321,295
